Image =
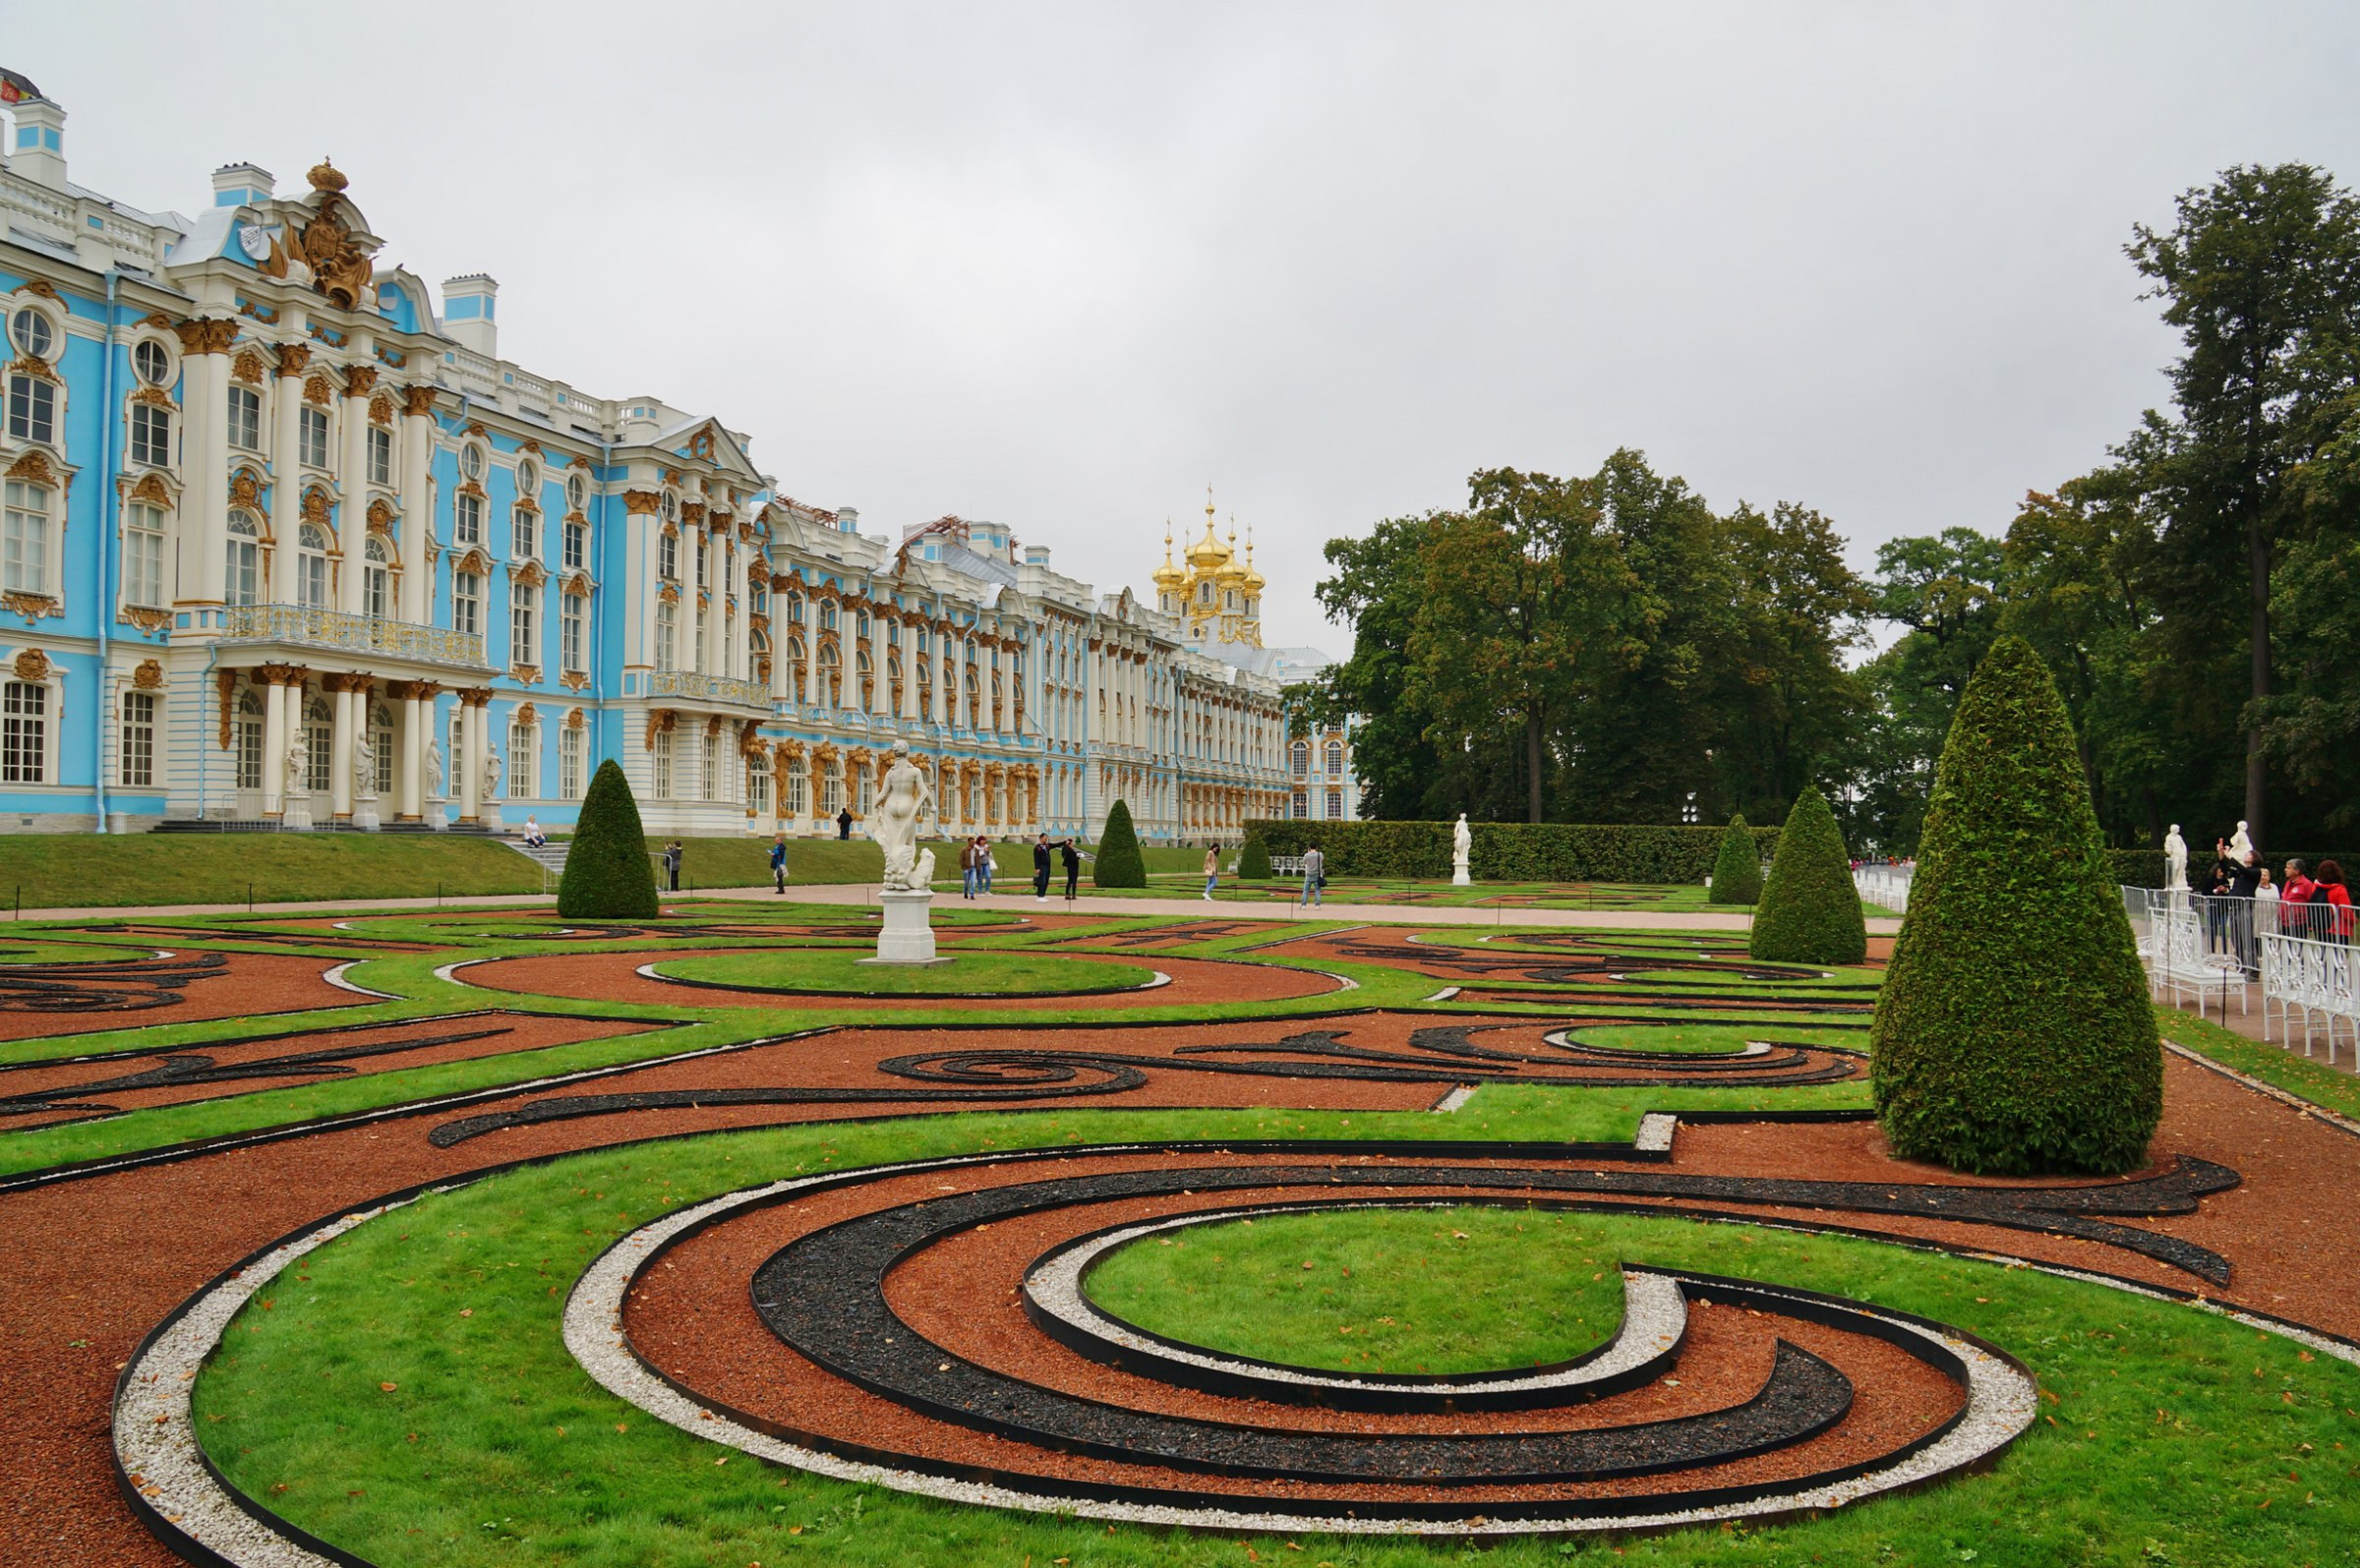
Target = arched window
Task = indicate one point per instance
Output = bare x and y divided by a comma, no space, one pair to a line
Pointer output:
241,584
1335,759
795,668
893,677
975,699
869,678
831,676
827,616
377,578
925,687
1301,755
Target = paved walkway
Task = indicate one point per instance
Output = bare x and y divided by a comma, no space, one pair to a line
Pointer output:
1185,907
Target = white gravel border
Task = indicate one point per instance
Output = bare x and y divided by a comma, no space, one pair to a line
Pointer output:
1557,1038
335,978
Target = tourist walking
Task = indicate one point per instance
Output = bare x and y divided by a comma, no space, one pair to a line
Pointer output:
778,861
966,869
2338,901
672,864
983,862
2296,914
1073,867
844,822
1040,869
1315,877
1213,871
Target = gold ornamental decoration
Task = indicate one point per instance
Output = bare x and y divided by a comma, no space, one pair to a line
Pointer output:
148,676
248,367
293,358
418,401
244,489
339,268
317,390
33,665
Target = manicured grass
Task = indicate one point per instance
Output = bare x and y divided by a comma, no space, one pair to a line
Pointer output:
1396,1291
1712,1039
971,971
2275,1065
89,870
2167,1435
743,861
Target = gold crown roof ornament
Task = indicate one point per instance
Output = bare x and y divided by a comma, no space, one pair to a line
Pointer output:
325,176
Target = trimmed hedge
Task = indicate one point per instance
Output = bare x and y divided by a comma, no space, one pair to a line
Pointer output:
1809,911
1738,868
1509,852
2014,1034
1253,860
1119,863
608,875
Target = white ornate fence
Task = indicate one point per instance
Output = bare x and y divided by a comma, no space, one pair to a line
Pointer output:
2312,976
1888,886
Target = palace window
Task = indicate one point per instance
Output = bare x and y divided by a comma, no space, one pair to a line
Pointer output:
1335,759
696,653
246,418
467,603
1302,805
524,748
702,556
150,434
757,783
524,530
381,735
660,761
311,568
471,462
377,579
33,334
151,362
672,507
311,438
25,538
705,759
569,764
570,617
668,621
525,645
830,792
667,558
241,583
249,741
32,407
831,678
795,793
467,519
528,484
320,745
137,754
143,555
381,455
24,732
1336,806
577,491
577,546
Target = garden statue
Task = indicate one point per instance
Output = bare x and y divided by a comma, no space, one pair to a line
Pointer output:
299,766
363,766
2240,846
434,769
1462,845
2175,859
491,773
907,889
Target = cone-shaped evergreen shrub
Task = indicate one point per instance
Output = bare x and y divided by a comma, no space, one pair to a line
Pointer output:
1253,860
1119,864
2014,1034
1738,868
1810,912
607,871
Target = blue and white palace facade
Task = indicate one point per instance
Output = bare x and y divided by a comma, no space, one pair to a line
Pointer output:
285,541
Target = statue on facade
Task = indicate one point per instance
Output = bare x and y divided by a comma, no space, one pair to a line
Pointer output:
1462,846
2175,860
901,806
491,773
434,769
299,767
363,766
2240,846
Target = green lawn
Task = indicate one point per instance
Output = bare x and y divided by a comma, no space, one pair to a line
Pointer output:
89,869
971,971
407,1396
1377,1291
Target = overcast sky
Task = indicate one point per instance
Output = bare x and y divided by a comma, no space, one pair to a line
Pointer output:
1060,267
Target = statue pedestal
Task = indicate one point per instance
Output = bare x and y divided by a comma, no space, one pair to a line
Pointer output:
907,937
1459,877
364,815
490,817
438,819
297,817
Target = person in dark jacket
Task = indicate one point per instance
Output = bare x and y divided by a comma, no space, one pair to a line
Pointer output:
1072,868
778,860
1040,869
672,864
843,823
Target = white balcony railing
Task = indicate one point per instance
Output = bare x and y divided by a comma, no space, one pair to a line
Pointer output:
687,684
303,626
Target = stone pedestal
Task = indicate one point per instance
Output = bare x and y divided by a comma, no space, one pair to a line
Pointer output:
907,937
1459,877
364,815
490,817
297,818
437,818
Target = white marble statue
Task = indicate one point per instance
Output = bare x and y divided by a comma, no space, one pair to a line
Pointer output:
434,768
902,805
299,767
1462,845
492,766
2175,859
363,766
2240,846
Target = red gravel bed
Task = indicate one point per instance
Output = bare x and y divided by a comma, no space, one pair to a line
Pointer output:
247,985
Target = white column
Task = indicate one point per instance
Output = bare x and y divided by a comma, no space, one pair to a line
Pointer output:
339,753
810,676
286,477
909,663
470,762
942,686
274,747
717,583
408,784
417,508
999,694
352,481
204,521
880,700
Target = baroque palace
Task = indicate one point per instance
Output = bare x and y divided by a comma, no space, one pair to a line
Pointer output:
283,546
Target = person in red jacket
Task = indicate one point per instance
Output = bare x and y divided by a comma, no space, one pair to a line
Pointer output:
2339,899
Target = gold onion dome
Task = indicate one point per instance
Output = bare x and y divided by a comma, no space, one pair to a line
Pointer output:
1208,554
1253,580
1169,577
1232,569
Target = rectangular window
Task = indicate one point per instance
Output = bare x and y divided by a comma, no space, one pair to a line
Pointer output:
32,409
25,538
523,647
376,584
311,580
467,520
250,751
143,556
467,603
667,619
24,733
524,740
380,456
661,765
795,790
1336,806
311,443
524,530
705,759
571,630
577,546
246,418
151,434
569,764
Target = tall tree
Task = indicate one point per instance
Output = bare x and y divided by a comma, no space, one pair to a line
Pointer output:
2261,273
1378,585
1800,609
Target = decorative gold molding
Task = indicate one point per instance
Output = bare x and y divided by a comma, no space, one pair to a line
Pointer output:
475,696
32,664
317,390
146,618
151,488
576,680
41,286
207,335
642,502
225,684
34,467
574,718
293,358
244,489
149,675
381,410
314,506
380,516
264,313
418,401
660,722
360,381
247,368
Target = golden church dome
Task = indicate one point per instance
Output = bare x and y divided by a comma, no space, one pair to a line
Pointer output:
1168,578
1208,554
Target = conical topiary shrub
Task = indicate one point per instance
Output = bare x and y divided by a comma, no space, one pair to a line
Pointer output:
2014,1034
1118,864
607,871
1738,868
1253,860
1809,911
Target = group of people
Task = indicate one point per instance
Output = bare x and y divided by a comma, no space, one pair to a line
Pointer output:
2307,902
976,866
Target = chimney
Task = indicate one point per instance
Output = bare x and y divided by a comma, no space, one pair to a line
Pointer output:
242,185
848,519
38,150
467,313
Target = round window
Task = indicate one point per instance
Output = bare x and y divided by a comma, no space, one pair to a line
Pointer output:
151,362
577,492
471,461
527,481
33,334
672,506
